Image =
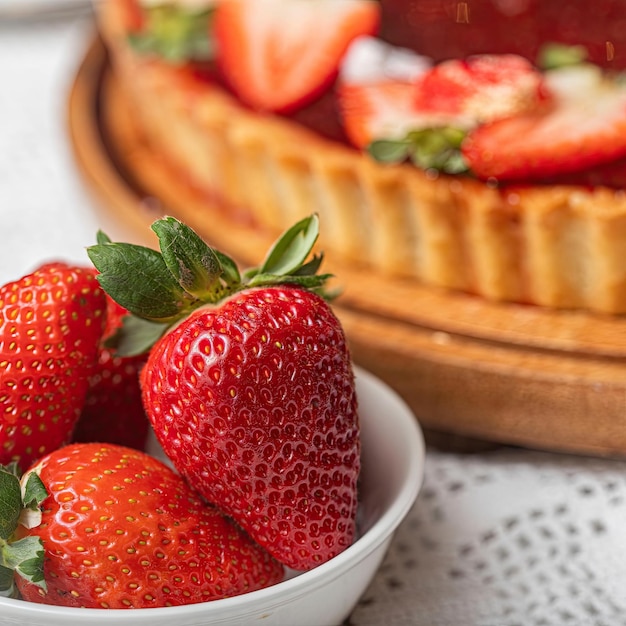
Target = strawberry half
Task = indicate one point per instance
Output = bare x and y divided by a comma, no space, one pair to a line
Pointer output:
278,55
424,116
459,94
51,322
585,127
111,527
377,110
479,89
376,90
132,15
252,393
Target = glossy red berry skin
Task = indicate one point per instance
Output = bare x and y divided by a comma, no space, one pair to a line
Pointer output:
113,410
122,530
51,322
254,402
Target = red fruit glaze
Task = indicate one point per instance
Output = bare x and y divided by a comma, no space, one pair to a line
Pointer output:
51,322
113,411
122,530
254,402
447,29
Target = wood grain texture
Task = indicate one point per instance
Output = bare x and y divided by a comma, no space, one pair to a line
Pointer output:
503,373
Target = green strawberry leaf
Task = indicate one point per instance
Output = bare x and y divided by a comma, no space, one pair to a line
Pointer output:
136,336
189,259
102,237
7,582
230,271
33,494
25,557
310,268
12,468
291,250
429,148
32,569
314,283
22,556
10,503
555,55
438,148
175,34
34,491
138,279
389,150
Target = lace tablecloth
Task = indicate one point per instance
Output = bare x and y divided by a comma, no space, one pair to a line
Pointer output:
500,538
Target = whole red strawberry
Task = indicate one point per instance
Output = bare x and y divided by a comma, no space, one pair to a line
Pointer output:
113,411
121,530
51,322
252,397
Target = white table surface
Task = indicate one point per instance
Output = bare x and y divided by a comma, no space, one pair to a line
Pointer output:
501,538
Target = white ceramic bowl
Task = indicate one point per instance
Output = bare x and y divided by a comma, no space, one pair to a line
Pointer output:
392,472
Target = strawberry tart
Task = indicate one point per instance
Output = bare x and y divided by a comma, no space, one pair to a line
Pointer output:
476,146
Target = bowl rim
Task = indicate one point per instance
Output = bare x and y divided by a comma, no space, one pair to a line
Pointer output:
303,583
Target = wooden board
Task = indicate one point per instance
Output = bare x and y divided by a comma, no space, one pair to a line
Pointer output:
505,373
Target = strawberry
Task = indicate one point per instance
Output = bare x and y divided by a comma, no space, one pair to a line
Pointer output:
377,110
423,113
584,128
376,90
113,410
51,322
278,55
460,94
251,393
381,118
132,15
480,88
611,174
119,529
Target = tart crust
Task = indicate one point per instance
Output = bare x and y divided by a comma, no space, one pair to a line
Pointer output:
554,246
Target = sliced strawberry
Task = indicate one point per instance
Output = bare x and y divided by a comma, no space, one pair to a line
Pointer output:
611,174
277,55
460,94
376,90
375,110
575,134
482,87
132,14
